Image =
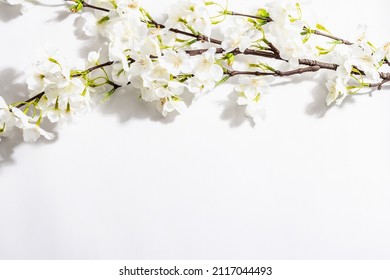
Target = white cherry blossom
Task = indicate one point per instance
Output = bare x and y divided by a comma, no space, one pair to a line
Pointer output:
192,13
250,92
176,62
337,89
362,57
31,131
240,36
206,68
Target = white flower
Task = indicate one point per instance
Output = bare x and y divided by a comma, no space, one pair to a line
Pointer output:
240,36
127,6
205,67
36,78
235,38
168,105
176,62
193,13
92,27
363,58
31,131
289,41
7,120
337,89
250,92
155,83
40,75
195,85
142,64
280,11
118,53
93,58
285,32
383,52
255,109
72,99
128,33
169,98
361,35
48,69
119,75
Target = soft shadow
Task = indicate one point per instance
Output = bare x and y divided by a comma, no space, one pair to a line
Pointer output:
318,107
89,43
7,148
9,145
127,105
11,90
233,113
59,16
8,12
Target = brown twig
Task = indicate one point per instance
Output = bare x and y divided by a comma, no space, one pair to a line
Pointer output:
343,41
38,96
199,37
231,13
380,84
276,73
316,32
86,5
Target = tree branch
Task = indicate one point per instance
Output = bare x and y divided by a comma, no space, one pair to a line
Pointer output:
231,13
316,32
86,5
38,96
276,73
319,33
380,84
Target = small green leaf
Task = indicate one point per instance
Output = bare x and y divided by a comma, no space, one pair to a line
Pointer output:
322,28
299,10
103,20
262,13
55,61
224,79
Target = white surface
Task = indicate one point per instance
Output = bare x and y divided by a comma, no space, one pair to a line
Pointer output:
308,183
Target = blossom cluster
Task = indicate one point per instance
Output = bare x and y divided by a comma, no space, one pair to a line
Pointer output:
181,56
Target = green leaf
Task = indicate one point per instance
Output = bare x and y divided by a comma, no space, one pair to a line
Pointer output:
299,10
262,13
55,61
322,28
224,79
103,20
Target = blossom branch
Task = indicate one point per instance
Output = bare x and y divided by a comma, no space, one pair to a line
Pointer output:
274,54
159,59
89,70
313,31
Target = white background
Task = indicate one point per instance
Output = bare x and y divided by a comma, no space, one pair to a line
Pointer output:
123,183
